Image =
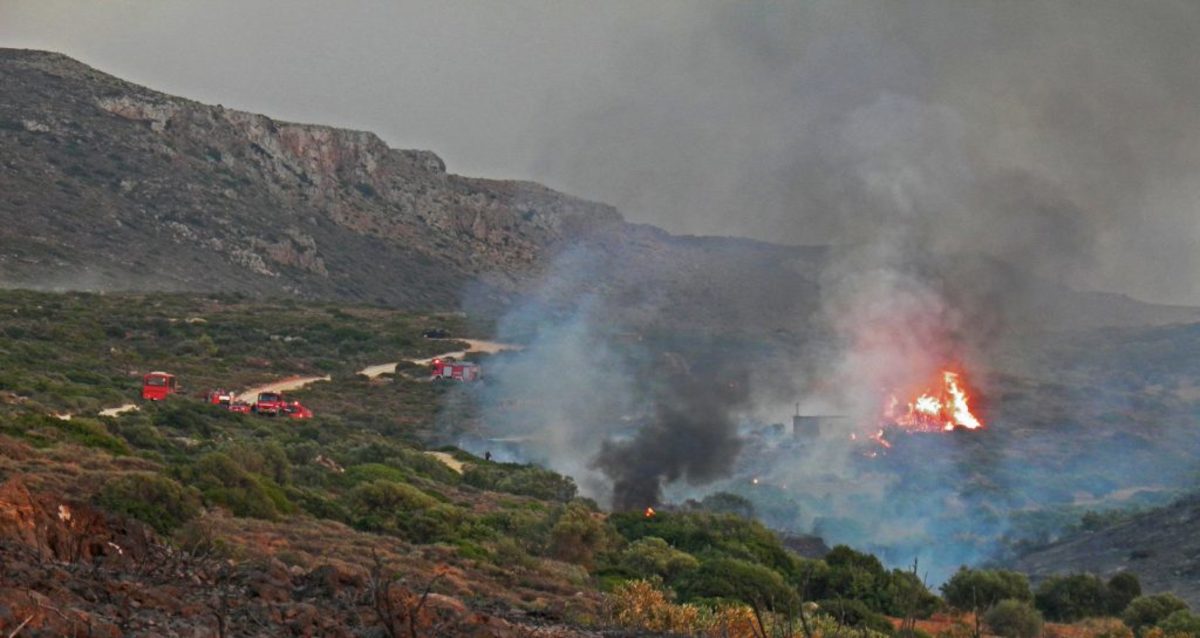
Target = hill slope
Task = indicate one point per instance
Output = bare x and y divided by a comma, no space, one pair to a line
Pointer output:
1161,546
113,186
109,184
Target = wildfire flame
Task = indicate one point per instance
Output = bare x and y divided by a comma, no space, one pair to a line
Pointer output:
649,512
944,407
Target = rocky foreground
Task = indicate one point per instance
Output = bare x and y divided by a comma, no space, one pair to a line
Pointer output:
67,569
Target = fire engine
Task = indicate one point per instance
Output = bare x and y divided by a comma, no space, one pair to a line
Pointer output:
293,410
275,404
451,369
220,397
229,401
268,403
157,385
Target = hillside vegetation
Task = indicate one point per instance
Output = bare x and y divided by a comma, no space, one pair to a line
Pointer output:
346,524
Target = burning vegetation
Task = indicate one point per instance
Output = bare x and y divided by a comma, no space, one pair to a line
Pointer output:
940,406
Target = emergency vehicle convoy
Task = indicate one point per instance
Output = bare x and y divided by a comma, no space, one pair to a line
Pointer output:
157,385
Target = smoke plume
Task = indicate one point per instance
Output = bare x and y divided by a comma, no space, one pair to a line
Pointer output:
691,436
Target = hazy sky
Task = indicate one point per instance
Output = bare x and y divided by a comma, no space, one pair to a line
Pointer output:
1060,134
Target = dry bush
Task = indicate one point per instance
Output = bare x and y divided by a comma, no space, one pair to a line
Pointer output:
639,604
1093,628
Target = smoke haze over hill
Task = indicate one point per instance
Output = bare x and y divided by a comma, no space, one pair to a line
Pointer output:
1057,134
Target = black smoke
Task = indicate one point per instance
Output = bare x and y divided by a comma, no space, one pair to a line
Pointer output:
692,436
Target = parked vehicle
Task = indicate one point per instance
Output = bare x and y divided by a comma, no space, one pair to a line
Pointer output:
456,370
293,410
436,333
268,404
157,385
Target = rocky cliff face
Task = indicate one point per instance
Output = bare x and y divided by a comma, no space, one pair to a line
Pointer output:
111,185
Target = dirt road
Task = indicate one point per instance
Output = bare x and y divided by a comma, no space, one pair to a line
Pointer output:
119,410
450,461
473,345
250,395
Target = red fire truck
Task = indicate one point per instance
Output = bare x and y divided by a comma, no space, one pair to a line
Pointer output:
157,385
268,403
451,369
229,401
220,397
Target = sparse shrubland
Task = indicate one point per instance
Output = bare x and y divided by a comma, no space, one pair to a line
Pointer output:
357,478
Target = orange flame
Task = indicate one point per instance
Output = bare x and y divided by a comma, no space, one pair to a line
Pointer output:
649,512
945,407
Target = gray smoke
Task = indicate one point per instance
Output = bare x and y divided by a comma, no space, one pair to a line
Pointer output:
1054,134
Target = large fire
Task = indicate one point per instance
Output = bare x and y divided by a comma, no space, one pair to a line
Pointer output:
941,406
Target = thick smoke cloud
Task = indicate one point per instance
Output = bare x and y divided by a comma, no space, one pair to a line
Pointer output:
1053,133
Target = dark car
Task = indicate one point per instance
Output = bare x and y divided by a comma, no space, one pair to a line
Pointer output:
436,333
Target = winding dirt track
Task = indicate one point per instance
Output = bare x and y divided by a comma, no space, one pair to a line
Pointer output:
249,395
473,345
119,410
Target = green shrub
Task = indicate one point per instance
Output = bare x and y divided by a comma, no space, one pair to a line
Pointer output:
370,472
1181,623
224,482
979,589
652,556
1014,619
403,510
319,505
263,458
1072,598
733,579
1147,611
854,613
525,480
1122,589
715,535
578,535
156,500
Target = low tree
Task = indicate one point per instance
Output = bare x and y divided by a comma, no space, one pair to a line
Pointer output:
977,590
1181,623
1122,589
1014,619
579,535
151,498
733,579
1147,611
652,556
1071,598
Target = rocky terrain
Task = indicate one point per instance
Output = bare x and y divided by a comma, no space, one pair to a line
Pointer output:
113,186
72,570
109,184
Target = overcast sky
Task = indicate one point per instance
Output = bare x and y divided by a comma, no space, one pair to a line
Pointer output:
1061,134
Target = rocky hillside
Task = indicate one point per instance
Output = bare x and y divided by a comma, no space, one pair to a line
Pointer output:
1161,546
111,185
